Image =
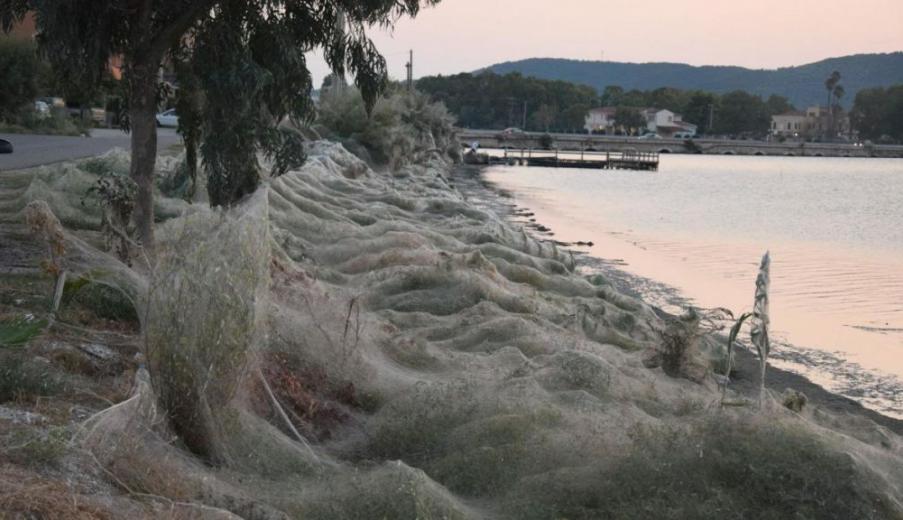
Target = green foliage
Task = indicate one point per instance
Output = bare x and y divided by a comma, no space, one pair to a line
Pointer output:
103,301
490,101
718,469
243,63
741,113
37,448
878,114
494,101
19,331
802,85
402,127
19,67
630,118
20,379
28,121
546,141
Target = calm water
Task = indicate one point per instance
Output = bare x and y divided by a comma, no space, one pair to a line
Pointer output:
701,223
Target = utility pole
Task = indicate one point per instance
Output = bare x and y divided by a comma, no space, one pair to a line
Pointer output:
711,125
410,67
523,126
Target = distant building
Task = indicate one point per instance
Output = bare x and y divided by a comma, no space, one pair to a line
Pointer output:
661,122
789,124
600,120
666,123
814,123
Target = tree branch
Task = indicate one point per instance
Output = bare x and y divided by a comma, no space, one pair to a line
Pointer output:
170,34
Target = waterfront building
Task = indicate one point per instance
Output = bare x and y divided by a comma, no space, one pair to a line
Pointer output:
813,124
600,120
663,123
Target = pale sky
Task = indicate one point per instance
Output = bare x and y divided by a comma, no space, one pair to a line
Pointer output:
464,35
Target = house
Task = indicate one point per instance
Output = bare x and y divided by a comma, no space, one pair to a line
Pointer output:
815,123
789,124
666,123
662,122
600,120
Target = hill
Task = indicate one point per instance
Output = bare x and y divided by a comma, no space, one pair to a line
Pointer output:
803,85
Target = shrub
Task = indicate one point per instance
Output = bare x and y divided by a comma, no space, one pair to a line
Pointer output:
717,469
29,447
18,331
21,379
402,128
546,142
26,121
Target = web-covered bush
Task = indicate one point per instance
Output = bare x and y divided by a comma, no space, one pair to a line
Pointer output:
404,127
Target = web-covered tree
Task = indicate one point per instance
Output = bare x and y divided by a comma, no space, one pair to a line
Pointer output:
241,64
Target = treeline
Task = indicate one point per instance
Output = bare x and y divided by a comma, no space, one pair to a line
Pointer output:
491,101
733,113
878,114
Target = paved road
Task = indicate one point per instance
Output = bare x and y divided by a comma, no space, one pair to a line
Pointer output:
35,150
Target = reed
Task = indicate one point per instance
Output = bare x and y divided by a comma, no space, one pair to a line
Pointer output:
759,320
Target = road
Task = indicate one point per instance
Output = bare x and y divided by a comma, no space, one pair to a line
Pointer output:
36,150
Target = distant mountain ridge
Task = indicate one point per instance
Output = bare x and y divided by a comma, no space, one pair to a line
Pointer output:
803,85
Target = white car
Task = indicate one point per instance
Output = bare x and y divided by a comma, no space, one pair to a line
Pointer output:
42,109
168,118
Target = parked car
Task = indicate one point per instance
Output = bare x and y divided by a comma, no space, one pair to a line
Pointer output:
168,119
6,146
510,133
649,136
42,109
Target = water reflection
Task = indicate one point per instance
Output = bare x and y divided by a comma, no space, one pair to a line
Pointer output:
834,227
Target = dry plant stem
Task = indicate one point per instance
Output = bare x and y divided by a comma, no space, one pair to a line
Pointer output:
759,332
285,418
58,293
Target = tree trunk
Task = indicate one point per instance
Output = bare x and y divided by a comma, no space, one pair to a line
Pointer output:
142,115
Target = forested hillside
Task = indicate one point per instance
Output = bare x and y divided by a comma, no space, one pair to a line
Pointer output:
802,85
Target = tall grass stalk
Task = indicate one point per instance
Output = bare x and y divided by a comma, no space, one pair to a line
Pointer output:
759,332
760,321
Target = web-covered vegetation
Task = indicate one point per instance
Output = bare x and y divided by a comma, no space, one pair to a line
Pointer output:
354,343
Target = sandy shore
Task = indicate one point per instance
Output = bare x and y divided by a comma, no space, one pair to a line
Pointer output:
745,377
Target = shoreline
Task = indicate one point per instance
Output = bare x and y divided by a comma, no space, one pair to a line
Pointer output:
469,180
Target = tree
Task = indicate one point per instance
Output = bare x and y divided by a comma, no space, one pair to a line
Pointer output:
243,61
545,117
19,68
573,118
832,81
877,113
741,113
776,104
831,85
630,119
611,96
699,111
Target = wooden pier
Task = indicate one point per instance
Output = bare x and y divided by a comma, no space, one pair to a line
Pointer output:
624,160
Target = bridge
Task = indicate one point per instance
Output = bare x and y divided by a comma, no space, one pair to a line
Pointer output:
603,143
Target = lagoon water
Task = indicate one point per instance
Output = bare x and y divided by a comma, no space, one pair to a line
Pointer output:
701,223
